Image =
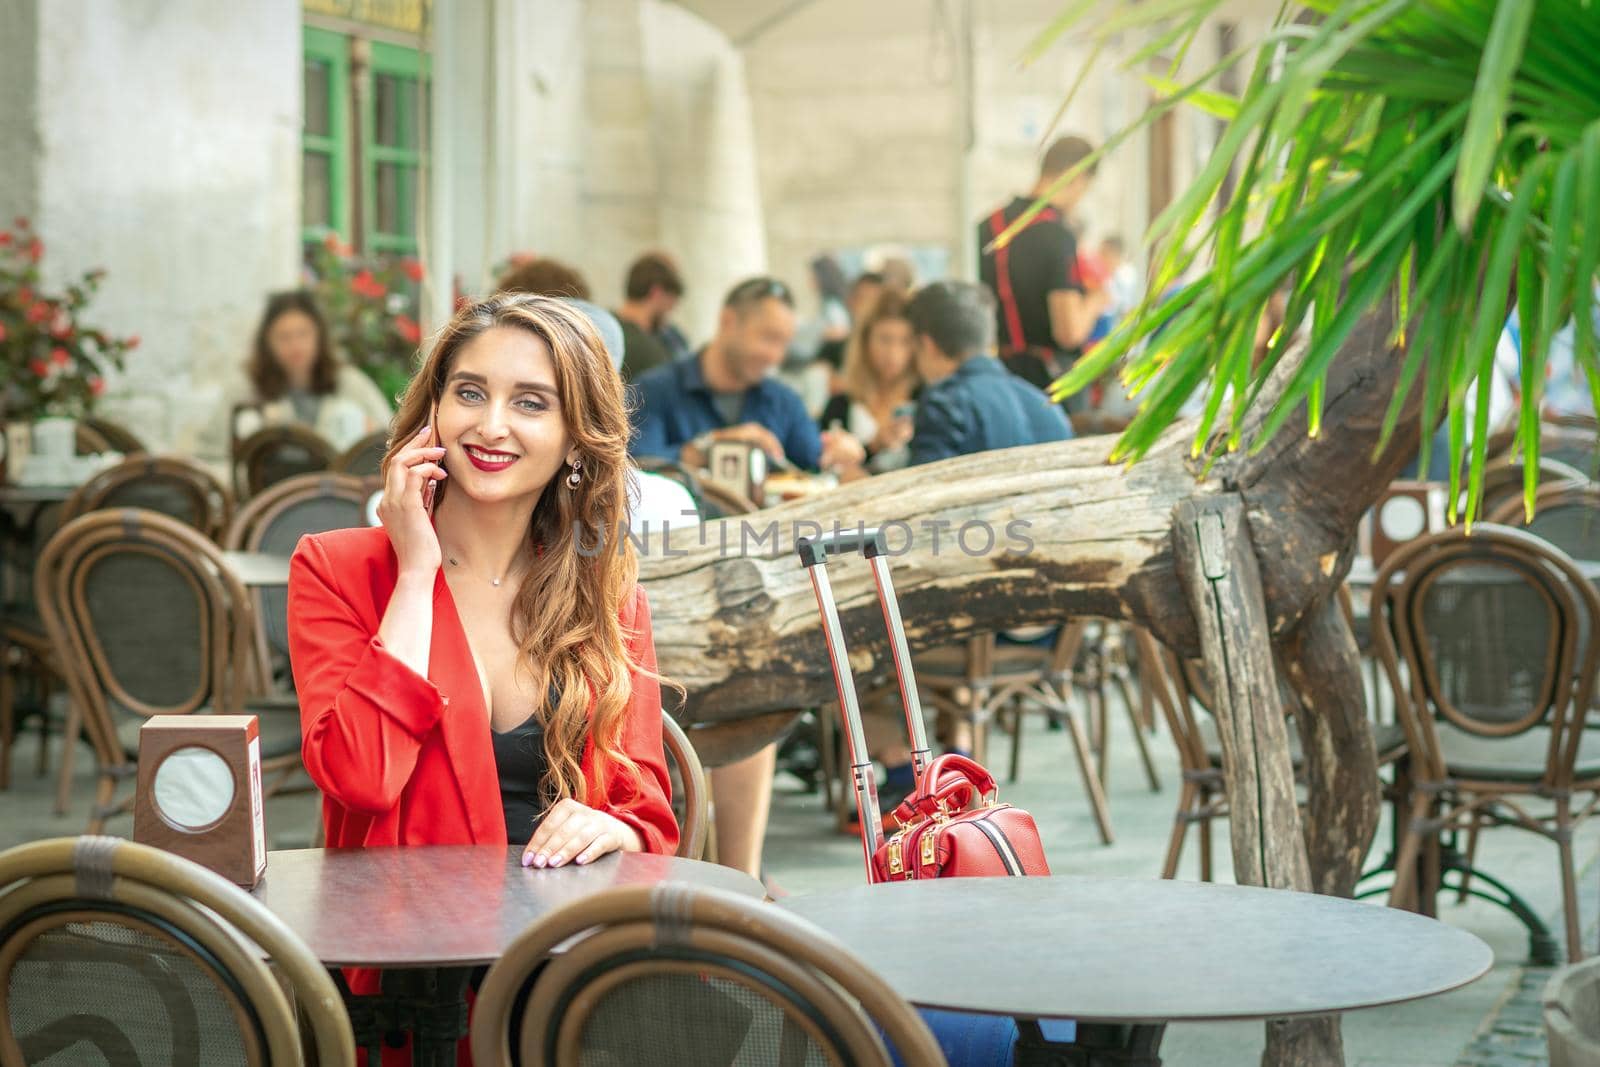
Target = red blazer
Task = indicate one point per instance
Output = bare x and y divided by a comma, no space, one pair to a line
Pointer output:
407,760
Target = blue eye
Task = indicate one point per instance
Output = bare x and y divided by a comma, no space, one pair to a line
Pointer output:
469,393
532,404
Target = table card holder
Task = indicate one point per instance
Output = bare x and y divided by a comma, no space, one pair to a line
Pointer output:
738,467
199,792
1406,511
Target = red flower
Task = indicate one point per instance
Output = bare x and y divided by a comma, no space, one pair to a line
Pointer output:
20,222
408,329
60,357
40,311
2,331
5,238
24,296
35,249
39,367
336,246
97,386
131,343
62,332
412,268
364,284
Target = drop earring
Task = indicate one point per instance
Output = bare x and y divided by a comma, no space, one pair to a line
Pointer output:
576,476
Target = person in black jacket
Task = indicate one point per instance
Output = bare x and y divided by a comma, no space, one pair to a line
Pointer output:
970,403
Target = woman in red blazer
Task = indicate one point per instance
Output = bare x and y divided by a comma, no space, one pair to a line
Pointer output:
476,671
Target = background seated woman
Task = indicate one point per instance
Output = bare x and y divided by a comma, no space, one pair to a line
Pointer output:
482,676
295,377
880,385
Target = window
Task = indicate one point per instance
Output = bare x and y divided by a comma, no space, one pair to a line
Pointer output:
392,139
363,184
325,138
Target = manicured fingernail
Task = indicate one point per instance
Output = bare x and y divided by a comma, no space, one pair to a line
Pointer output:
555,861
541,860
527,859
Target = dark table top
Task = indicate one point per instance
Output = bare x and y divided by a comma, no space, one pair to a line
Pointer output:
445,905
1122,950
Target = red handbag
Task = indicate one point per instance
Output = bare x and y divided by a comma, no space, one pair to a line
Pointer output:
951,826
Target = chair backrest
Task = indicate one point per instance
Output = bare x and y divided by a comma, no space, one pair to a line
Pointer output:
1497,632
363,458
1572,1015
275,453
175,486
115,952
695,801
671,975
1502,480
1568,516
1173,682
95,435
148,620
274,521
1573,442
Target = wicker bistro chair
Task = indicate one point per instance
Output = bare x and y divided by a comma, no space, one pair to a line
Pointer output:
1499,636
364,458
172,485
1180,688
115,952
275,453
1502,481
669,975
273,522
149,621
1568,516
94,436
691,799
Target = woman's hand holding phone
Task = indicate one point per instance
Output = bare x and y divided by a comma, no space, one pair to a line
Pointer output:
404,509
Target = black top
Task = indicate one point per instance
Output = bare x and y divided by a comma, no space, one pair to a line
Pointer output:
519,757
1040,260
640,351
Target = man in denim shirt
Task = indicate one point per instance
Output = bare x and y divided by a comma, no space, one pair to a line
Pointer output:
727,392
971,403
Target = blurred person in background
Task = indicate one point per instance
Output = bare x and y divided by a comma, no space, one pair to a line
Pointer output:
1044,310
863,297
543,276
650,294
294,376
880,385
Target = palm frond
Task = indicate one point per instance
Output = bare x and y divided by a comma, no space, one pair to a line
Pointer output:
1448,150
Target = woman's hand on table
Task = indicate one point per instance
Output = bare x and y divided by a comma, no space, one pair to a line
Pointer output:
574,832
841,450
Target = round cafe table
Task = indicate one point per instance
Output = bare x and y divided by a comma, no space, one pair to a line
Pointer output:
1140,953
428,915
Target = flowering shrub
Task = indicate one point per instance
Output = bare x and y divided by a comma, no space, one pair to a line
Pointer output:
371,309
51,363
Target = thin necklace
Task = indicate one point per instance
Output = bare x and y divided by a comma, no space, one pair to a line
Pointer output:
456,563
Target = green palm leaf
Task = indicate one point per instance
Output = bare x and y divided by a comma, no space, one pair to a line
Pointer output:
1447,150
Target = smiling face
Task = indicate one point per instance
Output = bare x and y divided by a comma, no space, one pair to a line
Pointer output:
500,418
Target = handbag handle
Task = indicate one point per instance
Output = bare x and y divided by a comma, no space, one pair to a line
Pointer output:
953,782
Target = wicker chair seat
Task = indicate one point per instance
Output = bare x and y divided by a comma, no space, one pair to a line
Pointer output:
1521,758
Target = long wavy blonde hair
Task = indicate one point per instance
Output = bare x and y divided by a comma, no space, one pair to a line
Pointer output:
565,616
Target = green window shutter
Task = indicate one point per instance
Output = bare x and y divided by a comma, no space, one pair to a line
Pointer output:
325,138
391,148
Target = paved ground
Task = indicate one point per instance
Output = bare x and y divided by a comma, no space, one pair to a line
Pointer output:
804,854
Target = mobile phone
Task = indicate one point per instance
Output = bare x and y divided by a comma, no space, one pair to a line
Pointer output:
431,486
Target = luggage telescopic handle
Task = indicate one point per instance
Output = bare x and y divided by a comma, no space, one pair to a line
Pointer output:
871,543
814,551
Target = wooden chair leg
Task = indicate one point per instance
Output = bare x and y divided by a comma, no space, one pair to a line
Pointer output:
1138,736
1403,893
1016,739
69,753
1569,881
105,789
1471,855
1091,780
1206,854
1180,830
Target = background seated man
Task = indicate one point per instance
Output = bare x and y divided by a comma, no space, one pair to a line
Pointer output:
727,392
